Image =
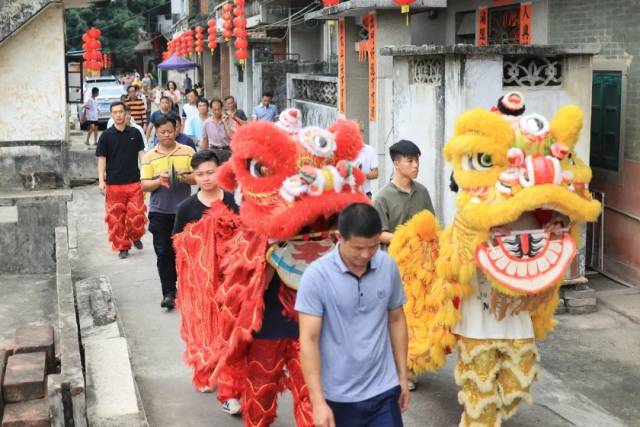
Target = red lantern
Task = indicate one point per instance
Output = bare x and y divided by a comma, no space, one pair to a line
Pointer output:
239,3
329,3
242,55
241,44
240,33
240,21
227,7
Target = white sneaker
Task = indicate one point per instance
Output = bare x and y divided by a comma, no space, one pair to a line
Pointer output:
205,389
411,385
231,406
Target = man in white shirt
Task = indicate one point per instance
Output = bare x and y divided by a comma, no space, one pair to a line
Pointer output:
367,161
91,114
190,109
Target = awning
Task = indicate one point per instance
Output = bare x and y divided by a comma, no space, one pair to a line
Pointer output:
177,63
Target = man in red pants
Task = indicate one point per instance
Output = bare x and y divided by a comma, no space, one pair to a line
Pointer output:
119,149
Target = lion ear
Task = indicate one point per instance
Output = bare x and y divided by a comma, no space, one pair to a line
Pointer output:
566,125
348,139
226,177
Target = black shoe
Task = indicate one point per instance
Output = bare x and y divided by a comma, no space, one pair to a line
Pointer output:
168,302
138,244
123,254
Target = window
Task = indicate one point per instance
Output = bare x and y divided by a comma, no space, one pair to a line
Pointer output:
74,80
605,120
466,27
504,25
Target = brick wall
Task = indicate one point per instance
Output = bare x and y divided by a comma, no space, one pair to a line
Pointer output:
615,25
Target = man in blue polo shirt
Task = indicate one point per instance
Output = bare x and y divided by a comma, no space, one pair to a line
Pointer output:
265,110
353,333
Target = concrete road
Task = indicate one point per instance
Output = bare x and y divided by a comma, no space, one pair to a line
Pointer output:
590,372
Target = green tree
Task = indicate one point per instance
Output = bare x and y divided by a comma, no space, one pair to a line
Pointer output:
119,22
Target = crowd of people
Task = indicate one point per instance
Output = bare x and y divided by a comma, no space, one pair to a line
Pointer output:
171,152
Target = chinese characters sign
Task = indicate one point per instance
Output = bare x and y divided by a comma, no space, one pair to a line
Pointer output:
482,35
373,93
342,67
525,23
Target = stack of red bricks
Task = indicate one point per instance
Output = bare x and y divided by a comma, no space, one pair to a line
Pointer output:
24,367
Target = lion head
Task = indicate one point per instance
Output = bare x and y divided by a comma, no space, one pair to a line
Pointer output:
286,181
522,191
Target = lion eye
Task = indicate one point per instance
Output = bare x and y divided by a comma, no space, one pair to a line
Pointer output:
257,169
320,141
476,162
317,141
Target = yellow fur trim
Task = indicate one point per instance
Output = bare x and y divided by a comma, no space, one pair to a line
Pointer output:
475,410
481,123
463,423
542,316
509,410
566,125
485,385
414,247
482,216
524,378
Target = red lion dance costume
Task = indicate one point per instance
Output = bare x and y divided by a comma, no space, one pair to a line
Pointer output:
290,189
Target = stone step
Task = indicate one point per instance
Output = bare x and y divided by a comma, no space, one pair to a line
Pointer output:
113,398
38,338
24,378
33,413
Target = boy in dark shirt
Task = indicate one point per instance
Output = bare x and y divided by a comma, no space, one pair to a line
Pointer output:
204,165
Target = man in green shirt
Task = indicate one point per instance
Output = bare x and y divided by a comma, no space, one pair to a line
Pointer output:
403,197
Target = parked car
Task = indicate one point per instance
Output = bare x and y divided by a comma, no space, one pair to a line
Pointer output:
101,81
107,95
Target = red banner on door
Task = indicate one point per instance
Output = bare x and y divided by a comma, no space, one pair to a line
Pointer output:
373,82
342,67
482,32
525,23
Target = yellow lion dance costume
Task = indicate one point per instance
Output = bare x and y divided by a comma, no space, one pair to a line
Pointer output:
487,285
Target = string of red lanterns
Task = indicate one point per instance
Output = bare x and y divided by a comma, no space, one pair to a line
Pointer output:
199,40
188,35
240,31
227,25
91,44
211,34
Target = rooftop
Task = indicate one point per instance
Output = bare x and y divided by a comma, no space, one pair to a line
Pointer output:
361,7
